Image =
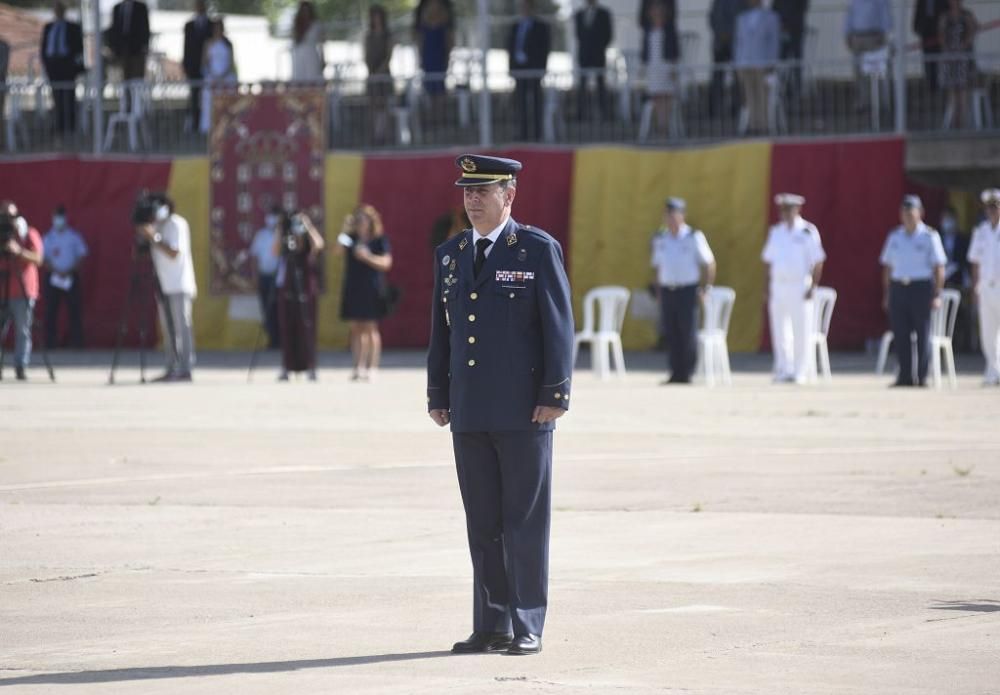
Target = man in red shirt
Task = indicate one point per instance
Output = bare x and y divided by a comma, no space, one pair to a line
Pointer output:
20,259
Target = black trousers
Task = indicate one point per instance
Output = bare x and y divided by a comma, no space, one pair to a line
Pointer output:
791,49
54,298
268,298
679,319
584,103
910,312
194,106
528,101
506,484
722,53
931,62
64,101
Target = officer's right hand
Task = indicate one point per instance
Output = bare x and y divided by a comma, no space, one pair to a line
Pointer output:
440,416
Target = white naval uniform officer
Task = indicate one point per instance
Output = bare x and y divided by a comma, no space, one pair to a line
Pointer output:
794,256
984,255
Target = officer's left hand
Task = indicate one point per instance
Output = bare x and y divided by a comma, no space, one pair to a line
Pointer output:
546,413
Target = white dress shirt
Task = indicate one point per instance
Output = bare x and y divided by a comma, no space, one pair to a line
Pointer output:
678,259
492,236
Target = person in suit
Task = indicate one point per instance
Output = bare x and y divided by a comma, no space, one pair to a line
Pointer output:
498,371
792,14
913,262
722,20
4,63
926,25
129,37
62,57
197,32
528,45
594,29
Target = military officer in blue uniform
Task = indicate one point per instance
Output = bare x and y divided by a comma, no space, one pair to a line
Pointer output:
498,371
685,269
913,261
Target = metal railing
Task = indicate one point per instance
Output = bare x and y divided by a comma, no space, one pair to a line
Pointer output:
704,103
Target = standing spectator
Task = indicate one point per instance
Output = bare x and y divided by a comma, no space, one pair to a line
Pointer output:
62,56
528,45
956,246
792,14
957,69
265,263
866,28
927,25
984,255
660,51
685,268
378,53
369,258
794,256
912,278
218,69
594,30
722,21
434,33
755,51
307,45
197,32
299,245
4,63
129,36
170,239
22,256
65,250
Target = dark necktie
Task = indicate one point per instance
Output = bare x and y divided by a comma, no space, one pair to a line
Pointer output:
481,247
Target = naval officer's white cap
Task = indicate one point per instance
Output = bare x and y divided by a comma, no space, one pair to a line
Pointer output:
789,199
991,196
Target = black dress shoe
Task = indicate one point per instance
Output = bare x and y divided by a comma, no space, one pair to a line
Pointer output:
19,374
525,644
480,642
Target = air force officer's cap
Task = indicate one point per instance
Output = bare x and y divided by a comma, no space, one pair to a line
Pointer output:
480,170
678,204
789,200
912,201
991,196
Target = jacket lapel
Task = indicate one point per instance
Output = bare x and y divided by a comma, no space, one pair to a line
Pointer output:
500,252
466,257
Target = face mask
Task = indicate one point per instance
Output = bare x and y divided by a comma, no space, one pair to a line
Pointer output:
948,224
58,221
22,227
271,221
162,213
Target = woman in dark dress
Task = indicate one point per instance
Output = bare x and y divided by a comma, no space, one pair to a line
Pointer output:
362,302
298,245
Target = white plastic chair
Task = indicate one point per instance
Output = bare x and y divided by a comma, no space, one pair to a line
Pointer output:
824,300
675,122
713,350
875,66
407,113
942,332
553,123
603,332
14,121
131,114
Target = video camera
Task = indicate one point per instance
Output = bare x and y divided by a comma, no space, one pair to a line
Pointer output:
293,236
144,212
8,230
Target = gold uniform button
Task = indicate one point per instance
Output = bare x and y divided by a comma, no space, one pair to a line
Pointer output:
474,296
511,295
472,339
557,396
472,317
445,300
472,363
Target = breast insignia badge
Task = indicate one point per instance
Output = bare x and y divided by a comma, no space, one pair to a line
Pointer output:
511,239
463,243
522,255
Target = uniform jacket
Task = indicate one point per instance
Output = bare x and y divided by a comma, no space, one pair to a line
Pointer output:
135,41
502,342
592,41
64,68
537,44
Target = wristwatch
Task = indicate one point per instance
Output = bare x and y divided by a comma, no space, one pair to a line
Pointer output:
157,238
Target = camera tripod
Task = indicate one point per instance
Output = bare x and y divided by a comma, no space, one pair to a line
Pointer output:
6,315
293,272
143,284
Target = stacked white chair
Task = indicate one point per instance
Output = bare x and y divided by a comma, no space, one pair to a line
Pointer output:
824,300
942,332
132,103
713,348
603,331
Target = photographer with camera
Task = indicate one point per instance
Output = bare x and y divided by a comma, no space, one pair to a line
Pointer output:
169,240
298,244
21,254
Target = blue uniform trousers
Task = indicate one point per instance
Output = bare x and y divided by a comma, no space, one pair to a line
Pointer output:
910,312
679,317
505,479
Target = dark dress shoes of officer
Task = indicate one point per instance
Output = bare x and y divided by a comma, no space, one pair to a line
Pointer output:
525,644
480,642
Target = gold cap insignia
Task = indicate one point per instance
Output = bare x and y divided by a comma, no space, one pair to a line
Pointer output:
468,166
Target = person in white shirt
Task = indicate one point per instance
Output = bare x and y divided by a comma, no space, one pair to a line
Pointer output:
794,256
265,262
984,255
170,240
685,268
65,250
